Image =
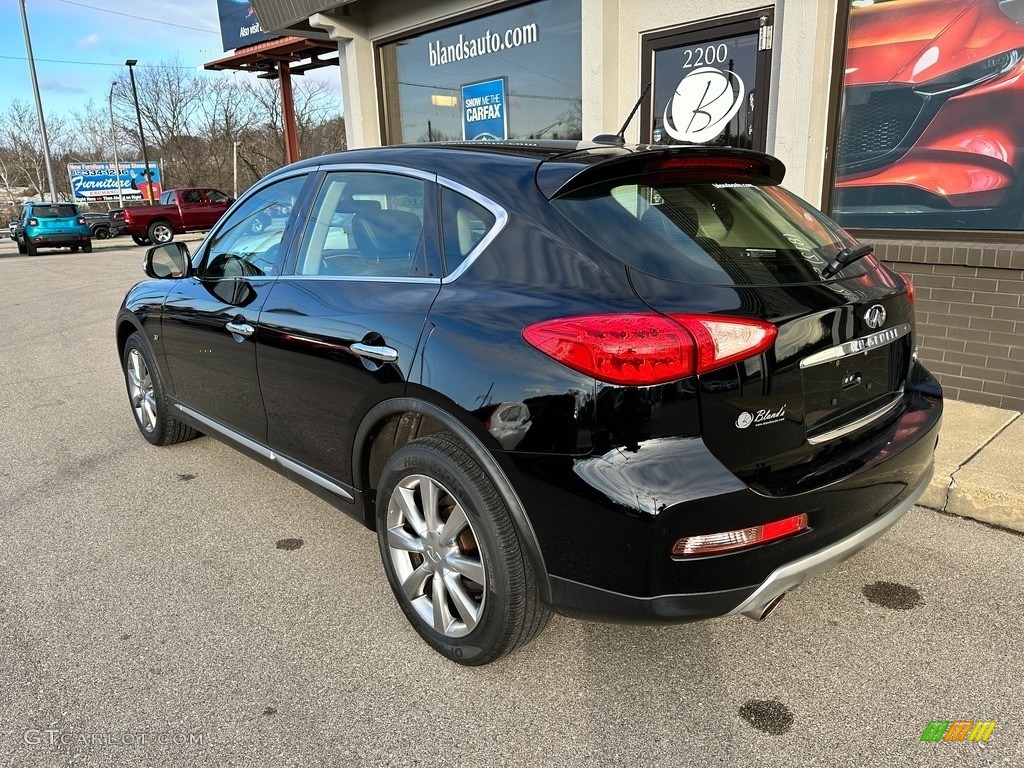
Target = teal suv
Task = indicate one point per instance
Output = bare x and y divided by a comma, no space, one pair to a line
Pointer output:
52,225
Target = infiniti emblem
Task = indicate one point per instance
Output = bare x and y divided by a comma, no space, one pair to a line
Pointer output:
875,316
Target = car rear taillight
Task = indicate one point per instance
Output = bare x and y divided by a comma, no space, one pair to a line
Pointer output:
81,220
728,541
645,349
127,218
33,222
908,281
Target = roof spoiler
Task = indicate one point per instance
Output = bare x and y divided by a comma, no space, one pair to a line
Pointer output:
568,172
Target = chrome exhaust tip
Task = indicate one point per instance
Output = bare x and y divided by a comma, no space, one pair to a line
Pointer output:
760,614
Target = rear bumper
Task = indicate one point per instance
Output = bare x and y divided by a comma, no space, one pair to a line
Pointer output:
58,240
793,574
573,598
608,552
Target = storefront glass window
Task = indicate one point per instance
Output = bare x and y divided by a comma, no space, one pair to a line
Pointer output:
931,132
704,92
516,74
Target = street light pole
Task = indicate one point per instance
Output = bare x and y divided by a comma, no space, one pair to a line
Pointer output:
39,104
113,138
130,63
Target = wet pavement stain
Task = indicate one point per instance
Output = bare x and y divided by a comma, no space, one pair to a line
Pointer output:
186,477
269,711
289,545
890,595
770,716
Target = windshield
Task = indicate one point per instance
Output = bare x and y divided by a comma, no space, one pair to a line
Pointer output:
711,233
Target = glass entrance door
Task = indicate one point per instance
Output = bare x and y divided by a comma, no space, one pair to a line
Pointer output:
709,82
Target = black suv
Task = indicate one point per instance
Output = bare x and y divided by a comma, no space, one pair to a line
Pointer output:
101,226
633,383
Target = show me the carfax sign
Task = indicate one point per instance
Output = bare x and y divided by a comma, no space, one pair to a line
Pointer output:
484,117
99,182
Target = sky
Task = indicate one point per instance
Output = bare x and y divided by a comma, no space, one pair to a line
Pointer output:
79,45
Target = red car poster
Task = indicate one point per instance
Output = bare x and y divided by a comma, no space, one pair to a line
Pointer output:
931,134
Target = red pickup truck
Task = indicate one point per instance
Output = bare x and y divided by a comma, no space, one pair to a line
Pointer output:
178,211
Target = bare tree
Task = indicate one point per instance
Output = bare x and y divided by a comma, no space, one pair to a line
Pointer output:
191,122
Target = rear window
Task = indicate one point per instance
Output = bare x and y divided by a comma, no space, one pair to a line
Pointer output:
733,233
54,211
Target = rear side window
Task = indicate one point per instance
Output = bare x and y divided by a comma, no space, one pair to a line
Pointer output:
465,223
733,233
54,211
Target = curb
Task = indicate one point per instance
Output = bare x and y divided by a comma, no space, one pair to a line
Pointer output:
983,481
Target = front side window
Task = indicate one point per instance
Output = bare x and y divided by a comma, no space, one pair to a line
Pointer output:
365,224
733,233
248,242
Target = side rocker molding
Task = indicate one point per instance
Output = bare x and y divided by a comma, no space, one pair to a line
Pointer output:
524,527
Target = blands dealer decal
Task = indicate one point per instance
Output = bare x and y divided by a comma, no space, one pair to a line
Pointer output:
761,418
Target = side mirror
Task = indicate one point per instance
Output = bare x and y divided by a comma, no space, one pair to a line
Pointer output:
170,260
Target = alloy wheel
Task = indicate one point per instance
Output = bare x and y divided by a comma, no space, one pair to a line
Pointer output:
161,233
140,390
436,557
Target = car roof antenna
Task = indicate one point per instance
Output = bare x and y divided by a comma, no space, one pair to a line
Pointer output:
619,139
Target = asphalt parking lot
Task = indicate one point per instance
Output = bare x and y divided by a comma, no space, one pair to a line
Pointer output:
187,606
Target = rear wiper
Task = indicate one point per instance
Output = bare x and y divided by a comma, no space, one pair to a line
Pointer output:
845,257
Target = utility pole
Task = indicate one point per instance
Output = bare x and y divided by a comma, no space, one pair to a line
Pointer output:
39,104
113,138
130,63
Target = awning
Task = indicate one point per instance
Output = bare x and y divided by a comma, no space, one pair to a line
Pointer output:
292,16
301,55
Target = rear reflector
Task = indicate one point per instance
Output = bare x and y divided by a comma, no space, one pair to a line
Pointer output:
727,541
646,349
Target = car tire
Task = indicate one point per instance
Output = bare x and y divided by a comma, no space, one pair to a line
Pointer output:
160,232
146,396
101,233
21,247
489,604
87,248
31,248
141,240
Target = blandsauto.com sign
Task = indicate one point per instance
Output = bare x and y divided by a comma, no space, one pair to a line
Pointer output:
488,42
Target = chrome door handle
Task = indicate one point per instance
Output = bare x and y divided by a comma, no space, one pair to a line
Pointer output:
380,354
240,329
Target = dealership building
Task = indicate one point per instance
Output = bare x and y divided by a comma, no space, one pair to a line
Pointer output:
903,119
